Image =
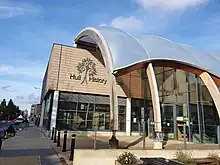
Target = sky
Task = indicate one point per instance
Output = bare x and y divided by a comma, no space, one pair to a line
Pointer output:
28,28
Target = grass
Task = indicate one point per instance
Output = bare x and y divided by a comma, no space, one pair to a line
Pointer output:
184,157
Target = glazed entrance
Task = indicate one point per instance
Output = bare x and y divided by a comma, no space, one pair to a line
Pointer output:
184,99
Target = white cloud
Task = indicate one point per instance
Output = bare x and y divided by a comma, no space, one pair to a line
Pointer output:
22,93
170,5
127,23
32,71
103,24
10,10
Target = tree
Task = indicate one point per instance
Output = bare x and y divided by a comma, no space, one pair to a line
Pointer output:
3,109
3,103
8,111
88,66
12,109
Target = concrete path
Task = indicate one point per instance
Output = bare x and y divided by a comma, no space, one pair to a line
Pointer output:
27,143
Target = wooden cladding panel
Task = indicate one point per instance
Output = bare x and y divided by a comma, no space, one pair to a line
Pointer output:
70,58
124,85
135,86
54,67
129,84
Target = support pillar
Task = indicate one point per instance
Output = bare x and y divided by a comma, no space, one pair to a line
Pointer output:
54,110
158,142
113,141
42,114
128,116
212,88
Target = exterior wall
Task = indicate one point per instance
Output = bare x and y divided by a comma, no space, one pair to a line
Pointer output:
131,84
50,81
63,63
35,109
70,59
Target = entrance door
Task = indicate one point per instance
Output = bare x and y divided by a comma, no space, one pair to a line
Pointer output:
169,120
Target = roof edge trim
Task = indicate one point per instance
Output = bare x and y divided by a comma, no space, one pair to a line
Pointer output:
101,42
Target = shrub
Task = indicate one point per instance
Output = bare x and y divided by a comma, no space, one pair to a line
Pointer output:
127,158
184,157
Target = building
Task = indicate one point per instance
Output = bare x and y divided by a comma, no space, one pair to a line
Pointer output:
111,80
35,110
25,113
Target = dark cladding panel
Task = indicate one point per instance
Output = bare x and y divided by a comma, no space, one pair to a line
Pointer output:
86,98
68,97
102,100
122,101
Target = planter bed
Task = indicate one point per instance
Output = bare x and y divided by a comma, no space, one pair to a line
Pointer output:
161,161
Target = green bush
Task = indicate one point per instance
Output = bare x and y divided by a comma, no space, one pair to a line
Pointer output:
183,157
127,158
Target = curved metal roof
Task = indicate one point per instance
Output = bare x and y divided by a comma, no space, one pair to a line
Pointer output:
125,50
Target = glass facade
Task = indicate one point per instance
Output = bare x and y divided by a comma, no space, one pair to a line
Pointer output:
184,99
47,111
87,112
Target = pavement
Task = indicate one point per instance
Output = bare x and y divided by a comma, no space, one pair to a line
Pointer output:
85,146
29,147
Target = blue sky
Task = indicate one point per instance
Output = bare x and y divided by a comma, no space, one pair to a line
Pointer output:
29,28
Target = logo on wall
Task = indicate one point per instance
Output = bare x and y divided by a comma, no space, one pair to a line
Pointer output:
87,70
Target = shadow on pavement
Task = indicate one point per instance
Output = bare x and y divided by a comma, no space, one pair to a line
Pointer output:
47,155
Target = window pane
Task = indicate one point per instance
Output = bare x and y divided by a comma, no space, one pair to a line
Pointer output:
102,108
168,82
67,105
83,106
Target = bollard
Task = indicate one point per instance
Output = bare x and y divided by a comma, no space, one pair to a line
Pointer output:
148,127
144,135
52,133
64,141
139,128
73,140
94,144
184,134
55,136
218,136
58,139
0,143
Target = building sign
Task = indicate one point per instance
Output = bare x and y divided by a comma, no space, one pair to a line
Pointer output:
87,72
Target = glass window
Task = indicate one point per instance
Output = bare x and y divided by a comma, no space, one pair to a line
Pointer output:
122,118
136,105
159,78
67,105
102,108
168,82
90,113
181,85
83,106
47,111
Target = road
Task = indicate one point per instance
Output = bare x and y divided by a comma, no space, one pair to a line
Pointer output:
29,144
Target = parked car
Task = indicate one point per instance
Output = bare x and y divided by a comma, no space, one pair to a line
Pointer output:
19,120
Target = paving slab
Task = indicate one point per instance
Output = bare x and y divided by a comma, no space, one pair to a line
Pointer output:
29,142
21,160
